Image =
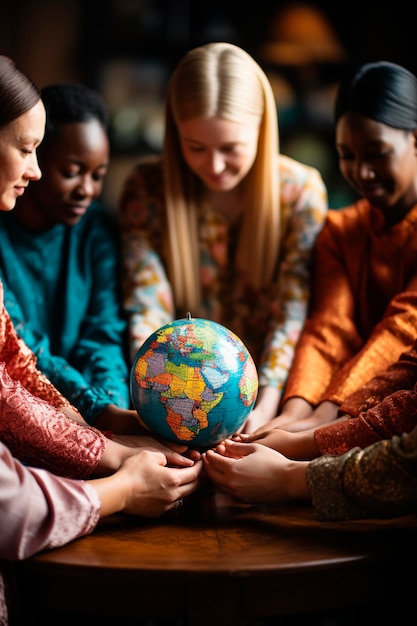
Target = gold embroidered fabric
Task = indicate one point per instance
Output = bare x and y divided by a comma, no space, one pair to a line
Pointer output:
379,481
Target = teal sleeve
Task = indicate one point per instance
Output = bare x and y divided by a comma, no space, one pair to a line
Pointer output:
83,351
88,399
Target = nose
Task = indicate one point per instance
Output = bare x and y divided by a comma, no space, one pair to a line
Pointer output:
33,171
364,170
87,187
216,162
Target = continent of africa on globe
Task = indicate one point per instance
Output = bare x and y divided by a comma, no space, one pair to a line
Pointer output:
193,382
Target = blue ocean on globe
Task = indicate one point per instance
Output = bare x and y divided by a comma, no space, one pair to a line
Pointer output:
193,382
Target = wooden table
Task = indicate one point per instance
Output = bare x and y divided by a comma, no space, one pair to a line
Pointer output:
218,562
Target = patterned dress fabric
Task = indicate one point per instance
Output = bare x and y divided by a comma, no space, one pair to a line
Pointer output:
268,321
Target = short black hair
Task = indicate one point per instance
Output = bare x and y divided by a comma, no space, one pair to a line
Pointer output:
66,103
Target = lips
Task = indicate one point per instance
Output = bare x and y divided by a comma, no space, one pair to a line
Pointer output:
76,209
371,191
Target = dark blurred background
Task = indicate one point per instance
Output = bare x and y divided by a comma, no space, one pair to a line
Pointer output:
126,50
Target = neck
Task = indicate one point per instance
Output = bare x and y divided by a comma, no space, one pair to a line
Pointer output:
226,204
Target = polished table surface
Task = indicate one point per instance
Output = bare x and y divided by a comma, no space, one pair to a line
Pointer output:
218,562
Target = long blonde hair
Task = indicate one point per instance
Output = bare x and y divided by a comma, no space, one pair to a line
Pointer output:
221,80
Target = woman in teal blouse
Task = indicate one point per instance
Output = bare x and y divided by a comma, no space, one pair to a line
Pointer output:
59,263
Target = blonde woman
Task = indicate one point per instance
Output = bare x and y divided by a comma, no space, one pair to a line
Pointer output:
221,225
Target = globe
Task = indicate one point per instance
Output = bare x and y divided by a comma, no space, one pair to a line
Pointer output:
193,382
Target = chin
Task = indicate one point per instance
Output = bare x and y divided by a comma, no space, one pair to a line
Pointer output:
7,206
70,219
221,186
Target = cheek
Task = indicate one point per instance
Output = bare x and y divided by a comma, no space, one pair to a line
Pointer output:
61,185
247,160
345,168
6,180
405,170
9,177
51,188
13,171
192,159
98,187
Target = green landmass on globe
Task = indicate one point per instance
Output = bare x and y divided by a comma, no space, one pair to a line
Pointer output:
194,382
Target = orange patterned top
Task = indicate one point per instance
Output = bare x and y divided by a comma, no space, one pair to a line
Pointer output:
364,309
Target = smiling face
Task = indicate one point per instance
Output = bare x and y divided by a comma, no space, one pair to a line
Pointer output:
379,162
18,161
74,164
218,151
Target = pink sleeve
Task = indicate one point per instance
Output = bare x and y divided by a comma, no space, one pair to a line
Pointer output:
41,435
39,510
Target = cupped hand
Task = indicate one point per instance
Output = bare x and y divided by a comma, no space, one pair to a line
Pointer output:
249,472
153,488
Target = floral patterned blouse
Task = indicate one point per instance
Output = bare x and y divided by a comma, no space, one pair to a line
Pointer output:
269,321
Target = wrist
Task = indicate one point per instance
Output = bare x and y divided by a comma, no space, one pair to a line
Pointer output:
112,491
119,421
113,456
297,480
301,445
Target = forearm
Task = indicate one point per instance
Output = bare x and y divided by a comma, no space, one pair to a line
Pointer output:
297,480
301,445
267,401
113,456
74,415
120,421
35,502
296,408
265,410
112,492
